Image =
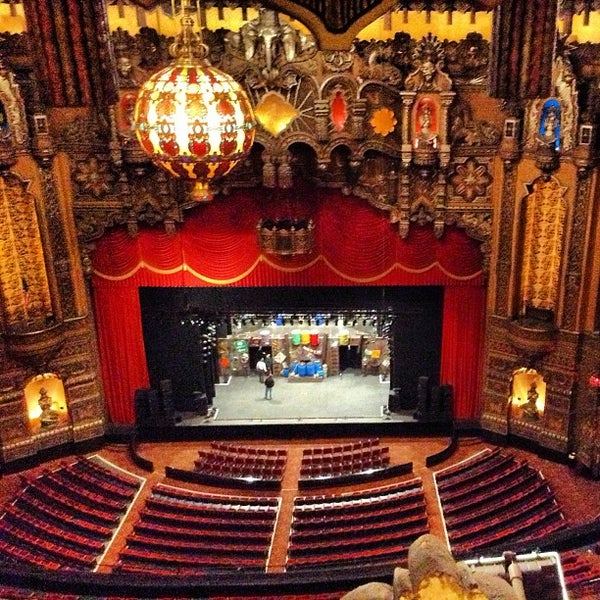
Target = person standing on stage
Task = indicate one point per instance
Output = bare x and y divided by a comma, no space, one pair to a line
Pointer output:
261,369
269,363
269,384
245,363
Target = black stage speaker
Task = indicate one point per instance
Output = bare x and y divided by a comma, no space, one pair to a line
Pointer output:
423,393
446,401
200,403
435,397
154,401
147,407
166,399
394,402
141,406
439,404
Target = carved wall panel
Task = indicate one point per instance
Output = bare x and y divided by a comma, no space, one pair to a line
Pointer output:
544,231
24,289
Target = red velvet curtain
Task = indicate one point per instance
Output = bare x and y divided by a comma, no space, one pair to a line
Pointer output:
217,245
462,347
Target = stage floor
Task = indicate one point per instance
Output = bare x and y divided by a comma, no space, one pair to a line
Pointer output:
349,398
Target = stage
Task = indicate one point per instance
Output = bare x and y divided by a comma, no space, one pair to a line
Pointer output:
347,404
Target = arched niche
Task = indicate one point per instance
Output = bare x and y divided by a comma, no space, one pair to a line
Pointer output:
46,402
527,394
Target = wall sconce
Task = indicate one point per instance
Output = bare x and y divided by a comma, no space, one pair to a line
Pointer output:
511,128
586,133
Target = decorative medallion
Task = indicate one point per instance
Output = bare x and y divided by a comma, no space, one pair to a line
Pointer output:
471,180
383,121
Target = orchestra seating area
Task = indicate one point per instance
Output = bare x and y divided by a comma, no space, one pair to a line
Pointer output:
372,526
185,532
493,498
231,461
66,517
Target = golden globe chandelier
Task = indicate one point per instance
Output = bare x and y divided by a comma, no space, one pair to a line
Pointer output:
194,120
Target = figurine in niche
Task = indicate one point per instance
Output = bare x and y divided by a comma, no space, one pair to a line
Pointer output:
549,131
49,416
426,135
530,410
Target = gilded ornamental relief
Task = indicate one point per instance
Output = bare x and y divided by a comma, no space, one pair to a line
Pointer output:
545,212
24,290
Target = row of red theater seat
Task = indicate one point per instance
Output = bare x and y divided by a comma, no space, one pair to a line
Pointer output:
517,535
242,546
83,494
114,477
226,532
248,451
381,523
56,514
79,474
536,526
467,464
336,465
346,508
367,517
496,499
242,502
69,557
188,561
406,486
19,555
185,509
496,463
516,514
495,479
47,492
357,543
488,495
390,553
36,526
580,570
152,514
331,449
62,523
215,531
533,488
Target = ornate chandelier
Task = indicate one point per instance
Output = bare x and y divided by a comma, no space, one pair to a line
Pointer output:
194,120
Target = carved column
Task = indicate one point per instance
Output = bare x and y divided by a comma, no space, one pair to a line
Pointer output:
446,100
322,119
408,99
359,110
571,313
56,243
503,306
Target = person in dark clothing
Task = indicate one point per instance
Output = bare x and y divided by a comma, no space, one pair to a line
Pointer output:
269,384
